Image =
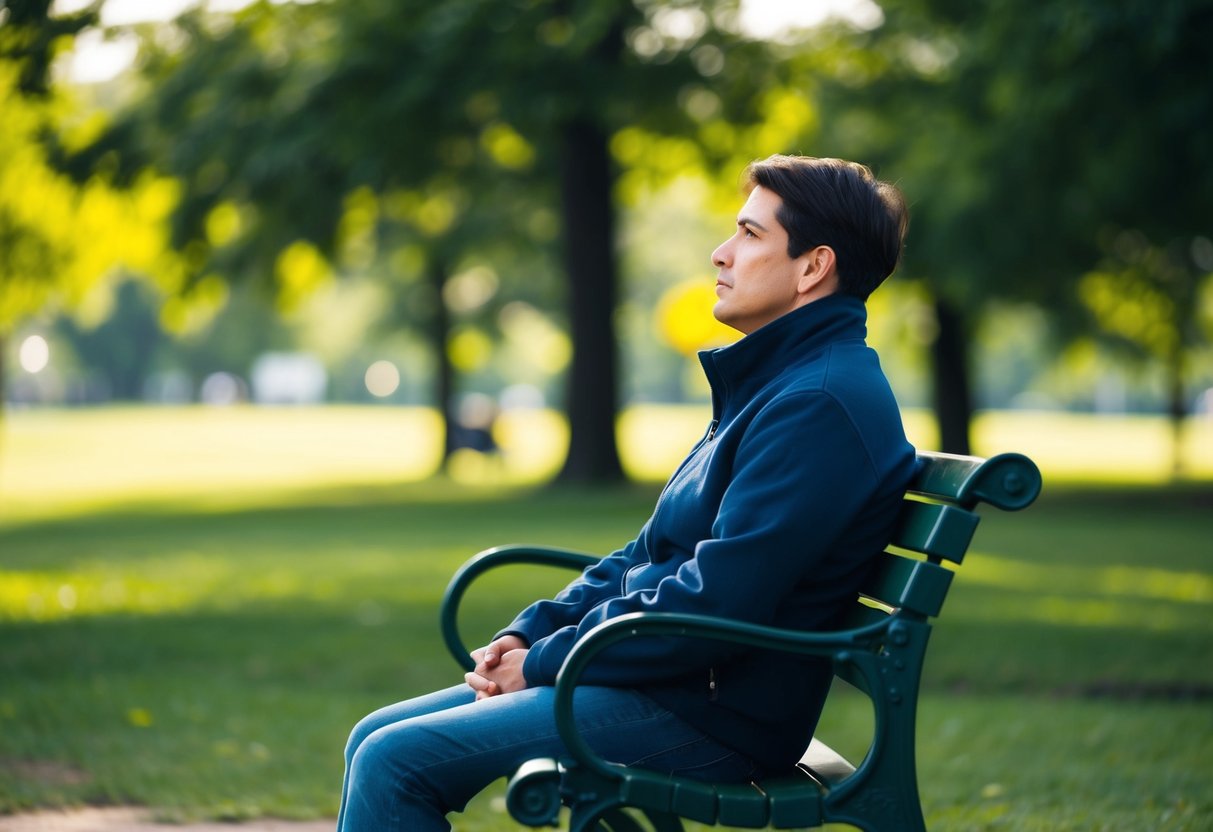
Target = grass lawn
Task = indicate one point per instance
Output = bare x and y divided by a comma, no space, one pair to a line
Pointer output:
195,606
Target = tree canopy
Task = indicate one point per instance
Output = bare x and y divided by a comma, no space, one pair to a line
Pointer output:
1032,139
456,123
1053,156
60,240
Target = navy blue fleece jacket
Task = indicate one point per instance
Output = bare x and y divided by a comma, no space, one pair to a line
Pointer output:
773,518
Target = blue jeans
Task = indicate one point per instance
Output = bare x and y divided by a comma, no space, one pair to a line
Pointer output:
409,764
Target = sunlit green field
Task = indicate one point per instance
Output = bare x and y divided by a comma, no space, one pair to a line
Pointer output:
196,605
70,460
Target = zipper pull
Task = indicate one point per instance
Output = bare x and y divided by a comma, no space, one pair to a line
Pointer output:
712,429
712,691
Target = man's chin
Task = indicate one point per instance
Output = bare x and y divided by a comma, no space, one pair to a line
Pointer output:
721,314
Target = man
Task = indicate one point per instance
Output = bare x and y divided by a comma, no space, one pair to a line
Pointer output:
773,518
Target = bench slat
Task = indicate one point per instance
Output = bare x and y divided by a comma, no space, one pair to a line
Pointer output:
910,584
935,530
861,615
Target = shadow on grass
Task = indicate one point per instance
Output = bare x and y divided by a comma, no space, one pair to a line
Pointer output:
409,515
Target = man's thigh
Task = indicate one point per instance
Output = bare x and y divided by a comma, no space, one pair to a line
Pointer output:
455,752
399,712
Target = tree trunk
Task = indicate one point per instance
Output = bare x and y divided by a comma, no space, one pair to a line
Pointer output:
589,256
444,372
953,399
4,336
1177,405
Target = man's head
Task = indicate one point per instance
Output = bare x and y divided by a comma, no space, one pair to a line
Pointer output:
839,204
811,227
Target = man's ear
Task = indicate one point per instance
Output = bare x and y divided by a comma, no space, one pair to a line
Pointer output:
820,272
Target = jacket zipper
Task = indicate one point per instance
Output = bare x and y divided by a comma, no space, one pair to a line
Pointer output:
713,690
712,426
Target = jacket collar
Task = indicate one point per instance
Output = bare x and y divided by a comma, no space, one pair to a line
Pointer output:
744,367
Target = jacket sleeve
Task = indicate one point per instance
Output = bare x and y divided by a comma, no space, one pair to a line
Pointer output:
596,583
800,476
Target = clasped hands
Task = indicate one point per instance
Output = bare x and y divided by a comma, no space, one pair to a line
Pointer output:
498,667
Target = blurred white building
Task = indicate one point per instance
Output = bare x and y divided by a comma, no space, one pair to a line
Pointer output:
288,378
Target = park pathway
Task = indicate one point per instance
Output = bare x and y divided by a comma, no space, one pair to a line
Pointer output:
140,820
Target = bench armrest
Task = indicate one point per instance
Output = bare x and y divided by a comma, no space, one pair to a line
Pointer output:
826,644
1007,481
492,559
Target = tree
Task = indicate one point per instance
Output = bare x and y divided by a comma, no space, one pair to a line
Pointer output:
59,240
274,124
1147,301
284,114
30,38
1027,137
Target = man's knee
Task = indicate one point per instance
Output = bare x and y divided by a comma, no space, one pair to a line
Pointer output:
388,764
369,759
365,727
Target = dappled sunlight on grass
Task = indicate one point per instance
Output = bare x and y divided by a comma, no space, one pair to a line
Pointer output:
1106,448
194,620
229,571
58,461
52,595
989,763
1003,589
183,584
1128,581
1068,447
1072,611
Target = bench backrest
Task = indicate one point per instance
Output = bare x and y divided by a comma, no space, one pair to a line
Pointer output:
937,523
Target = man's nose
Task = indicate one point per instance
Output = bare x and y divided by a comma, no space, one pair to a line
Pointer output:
720,256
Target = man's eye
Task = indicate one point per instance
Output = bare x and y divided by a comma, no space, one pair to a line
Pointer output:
748,233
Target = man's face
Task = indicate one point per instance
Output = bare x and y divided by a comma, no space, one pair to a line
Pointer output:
757,280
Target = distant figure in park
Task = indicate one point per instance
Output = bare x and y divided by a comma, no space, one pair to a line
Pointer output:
473,428
773,518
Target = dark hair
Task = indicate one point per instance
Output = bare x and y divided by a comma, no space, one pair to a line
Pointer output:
842,205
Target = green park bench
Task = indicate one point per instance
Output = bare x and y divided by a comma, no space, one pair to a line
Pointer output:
880,652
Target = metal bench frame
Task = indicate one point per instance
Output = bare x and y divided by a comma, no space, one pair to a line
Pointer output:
880,652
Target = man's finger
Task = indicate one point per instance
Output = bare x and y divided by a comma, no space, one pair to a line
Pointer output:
483,687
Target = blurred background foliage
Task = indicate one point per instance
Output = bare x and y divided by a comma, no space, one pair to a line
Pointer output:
480,205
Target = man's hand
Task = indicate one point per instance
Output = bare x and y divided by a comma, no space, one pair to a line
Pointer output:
498,669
